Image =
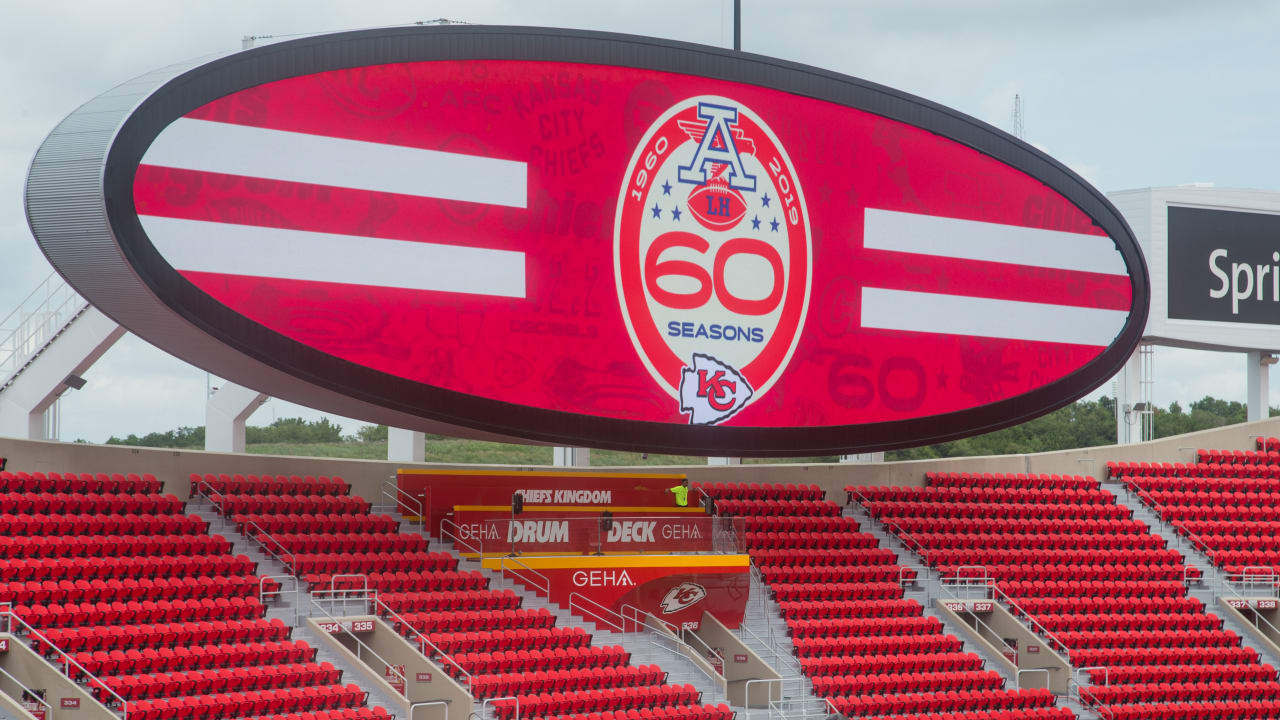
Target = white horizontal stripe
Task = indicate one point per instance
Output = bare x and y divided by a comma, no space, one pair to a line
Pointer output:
985,317
199,246
191,144
992,242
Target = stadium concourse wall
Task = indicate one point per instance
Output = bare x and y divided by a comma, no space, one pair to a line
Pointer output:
367,476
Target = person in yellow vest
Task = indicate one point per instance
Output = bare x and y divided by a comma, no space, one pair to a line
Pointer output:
681,492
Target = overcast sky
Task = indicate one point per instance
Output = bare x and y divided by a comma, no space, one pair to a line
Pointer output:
1130,94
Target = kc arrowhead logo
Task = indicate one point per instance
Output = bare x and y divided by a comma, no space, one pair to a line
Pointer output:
711,390
682,596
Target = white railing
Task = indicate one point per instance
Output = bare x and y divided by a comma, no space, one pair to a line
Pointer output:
361,646
786,660
37,320
450,530
286,557
413,707
522,572
1078,674
48,709
335,594
264,593
403,501
490,701
68,662
382,609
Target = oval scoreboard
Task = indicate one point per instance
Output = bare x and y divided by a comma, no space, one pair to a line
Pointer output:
590,239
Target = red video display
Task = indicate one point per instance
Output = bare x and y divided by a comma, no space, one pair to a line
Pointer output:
580,241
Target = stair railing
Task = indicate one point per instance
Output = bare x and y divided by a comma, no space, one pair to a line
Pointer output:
520,571
381,609
68,662
361,645
484,704
599,613
779,658
404,501
286,557
1007,650
413,707
1078,674
451,531
336,594
264,593
28,692
38,319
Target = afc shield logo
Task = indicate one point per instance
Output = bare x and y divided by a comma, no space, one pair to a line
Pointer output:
712,256
682,596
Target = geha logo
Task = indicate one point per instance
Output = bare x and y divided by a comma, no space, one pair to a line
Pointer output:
712,256
682,596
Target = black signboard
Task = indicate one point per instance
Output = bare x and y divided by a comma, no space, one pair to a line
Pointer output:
1224,266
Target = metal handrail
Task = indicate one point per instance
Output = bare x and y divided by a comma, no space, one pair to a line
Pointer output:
32,693
1197,542
397,498
91,680
426,703
381,608
335,593
360,644
1035,624
263,592
989,585
947,587
620,626
456,537
638,617
288,564
27,333
642,617
1017,676
746,692
544,587
778,657
208,496
484,704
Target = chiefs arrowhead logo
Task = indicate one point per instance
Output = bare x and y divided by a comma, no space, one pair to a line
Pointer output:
682,596
711,390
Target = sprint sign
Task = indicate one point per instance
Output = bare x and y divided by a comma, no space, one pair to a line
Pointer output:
712,256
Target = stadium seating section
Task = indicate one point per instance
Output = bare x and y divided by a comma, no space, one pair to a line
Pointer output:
113,575
332,541
865,647
1103,590
1227,503
116,575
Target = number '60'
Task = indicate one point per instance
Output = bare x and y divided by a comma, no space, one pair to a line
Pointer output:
713,282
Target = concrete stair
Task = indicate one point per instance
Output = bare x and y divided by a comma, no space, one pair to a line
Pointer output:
928,587
292,610
1213,583
643,647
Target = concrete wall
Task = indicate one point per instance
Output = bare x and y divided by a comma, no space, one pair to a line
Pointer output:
38,674
1000,626
737,674
396,650
367,476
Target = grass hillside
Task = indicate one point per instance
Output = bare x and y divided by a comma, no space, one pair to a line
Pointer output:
452,450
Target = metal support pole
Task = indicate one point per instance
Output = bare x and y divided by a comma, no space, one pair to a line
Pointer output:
737,24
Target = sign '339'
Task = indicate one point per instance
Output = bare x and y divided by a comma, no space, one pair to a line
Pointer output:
712,256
